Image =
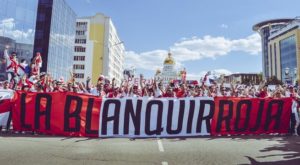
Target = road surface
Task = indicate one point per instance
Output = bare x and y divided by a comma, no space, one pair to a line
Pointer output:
31,150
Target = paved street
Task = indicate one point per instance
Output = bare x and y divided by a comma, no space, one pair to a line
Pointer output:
205,150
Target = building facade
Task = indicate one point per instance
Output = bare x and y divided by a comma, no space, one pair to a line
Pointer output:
98,49
28,26
17,29
265,29
284,55
244,78
169,72
54,37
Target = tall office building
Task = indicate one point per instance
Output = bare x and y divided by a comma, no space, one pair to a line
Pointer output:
98,49
265,29
17,29
54,37
284,52
27,26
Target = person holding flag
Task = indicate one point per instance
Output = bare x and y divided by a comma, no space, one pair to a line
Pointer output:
12,66
183,75
23,68
37,60
205,80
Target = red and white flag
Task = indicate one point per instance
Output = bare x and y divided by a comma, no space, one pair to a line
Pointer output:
205,80
5,105
5,100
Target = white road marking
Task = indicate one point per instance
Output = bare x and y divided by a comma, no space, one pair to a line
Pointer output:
160,145
164,163
161,149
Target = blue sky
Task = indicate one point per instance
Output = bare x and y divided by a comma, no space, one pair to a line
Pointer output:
202,34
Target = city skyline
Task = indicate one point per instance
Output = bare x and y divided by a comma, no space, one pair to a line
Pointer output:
199,38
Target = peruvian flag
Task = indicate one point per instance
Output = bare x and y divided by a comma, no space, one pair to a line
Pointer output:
183,75
5,100
5,105
205,80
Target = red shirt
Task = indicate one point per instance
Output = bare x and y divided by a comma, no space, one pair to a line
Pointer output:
57,89
13,65
34,70
168,94
110,95
180,93
263,94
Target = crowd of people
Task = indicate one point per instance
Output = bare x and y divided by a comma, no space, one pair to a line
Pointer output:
28,78
24,77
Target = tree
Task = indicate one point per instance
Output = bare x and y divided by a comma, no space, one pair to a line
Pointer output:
274,81
260,76
247,81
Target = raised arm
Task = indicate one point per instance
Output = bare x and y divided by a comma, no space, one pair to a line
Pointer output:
141,81
6,56
113,83
88,84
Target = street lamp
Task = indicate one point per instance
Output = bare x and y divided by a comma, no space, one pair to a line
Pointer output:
291,76
295,75
287,70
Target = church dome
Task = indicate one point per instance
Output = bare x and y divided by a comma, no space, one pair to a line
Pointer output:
169,60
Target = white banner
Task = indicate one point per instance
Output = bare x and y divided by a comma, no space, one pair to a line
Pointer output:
5,94
149,117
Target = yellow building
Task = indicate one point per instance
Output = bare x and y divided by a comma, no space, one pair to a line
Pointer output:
98,49
283,53
265,29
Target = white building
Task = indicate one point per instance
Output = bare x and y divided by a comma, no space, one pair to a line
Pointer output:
98,49
169,72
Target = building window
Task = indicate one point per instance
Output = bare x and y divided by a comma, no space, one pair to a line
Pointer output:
45,1
79,58
78,75
79,49
79,67
81,24
80,32
288,58
39,34
41,17
80,41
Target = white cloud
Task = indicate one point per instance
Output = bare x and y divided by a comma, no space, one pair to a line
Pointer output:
7,28
148,60
7,23
193,76
198,48
195,48
215,72
224,26
250,44
222,71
